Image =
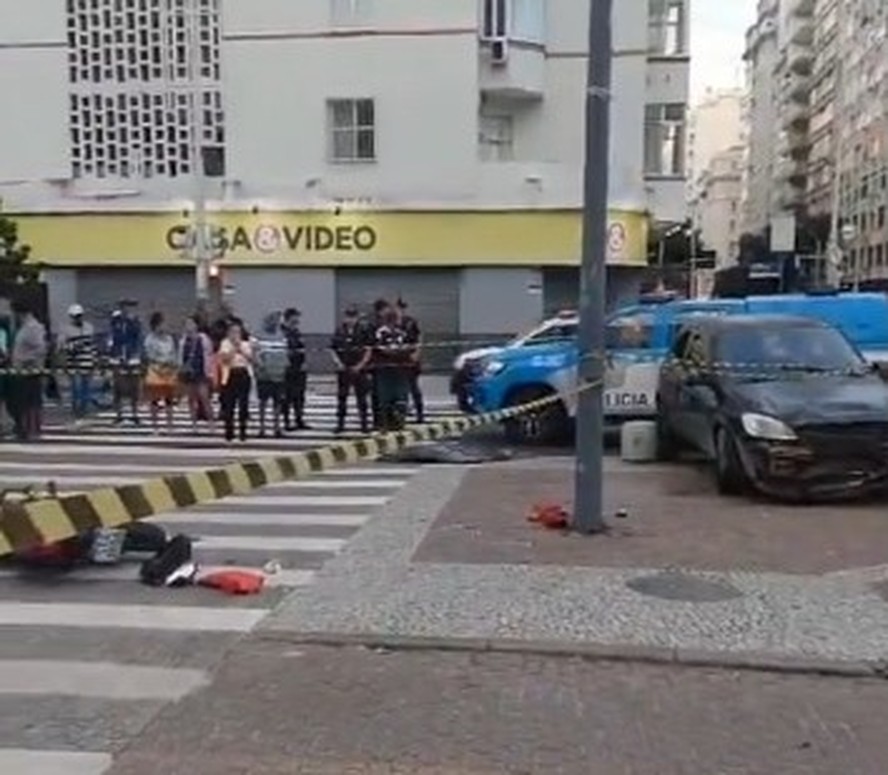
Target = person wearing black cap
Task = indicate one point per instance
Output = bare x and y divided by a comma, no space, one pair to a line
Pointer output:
296,379
381,307
414,369
126,355
351,349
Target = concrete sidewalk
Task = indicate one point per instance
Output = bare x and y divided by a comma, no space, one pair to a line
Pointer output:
689,577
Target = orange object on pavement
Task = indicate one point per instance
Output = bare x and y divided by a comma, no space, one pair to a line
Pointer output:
550,515
234,582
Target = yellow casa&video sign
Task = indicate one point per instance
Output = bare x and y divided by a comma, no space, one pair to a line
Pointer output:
538,238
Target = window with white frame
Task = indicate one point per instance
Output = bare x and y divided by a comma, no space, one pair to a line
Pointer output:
496,138
144,88
664,139
345,13
667,27
523,20
352,130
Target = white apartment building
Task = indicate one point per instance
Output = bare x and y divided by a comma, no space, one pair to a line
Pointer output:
350,149
718,210
762,53
715,125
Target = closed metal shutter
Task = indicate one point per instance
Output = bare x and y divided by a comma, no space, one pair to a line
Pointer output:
561,290
432,296
170,291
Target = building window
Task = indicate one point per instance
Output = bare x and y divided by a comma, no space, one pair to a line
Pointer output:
517,19
145,98
664,139
352,130
346,13
496,141
667,34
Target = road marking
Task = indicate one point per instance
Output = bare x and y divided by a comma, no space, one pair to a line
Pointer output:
17,761
269,544
283,519
307,501
131,617
105,680
333,484
129,572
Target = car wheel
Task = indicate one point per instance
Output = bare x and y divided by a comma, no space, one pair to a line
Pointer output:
729,475
545,426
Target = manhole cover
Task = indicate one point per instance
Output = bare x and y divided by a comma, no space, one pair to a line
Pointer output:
683,587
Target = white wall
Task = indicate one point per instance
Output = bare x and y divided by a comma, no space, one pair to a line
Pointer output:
282,60
33,80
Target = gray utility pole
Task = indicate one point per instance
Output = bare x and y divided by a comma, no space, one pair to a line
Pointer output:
589,507
201,249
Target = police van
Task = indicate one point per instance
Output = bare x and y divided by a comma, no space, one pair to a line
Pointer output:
637,339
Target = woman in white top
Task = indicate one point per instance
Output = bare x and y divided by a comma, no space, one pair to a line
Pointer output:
236,360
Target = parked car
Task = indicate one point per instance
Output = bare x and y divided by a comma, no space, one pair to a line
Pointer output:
784,405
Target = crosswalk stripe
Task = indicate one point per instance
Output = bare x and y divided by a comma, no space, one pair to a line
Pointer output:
307,501
19,761
138,617
129,572
254,543
105,680
283,519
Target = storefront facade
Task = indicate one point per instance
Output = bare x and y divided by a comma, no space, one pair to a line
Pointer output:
466,275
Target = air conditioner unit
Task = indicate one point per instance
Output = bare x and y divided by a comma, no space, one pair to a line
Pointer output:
499,51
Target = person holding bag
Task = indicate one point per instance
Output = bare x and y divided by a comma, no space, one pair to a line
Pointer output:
196,372
161,376
236,380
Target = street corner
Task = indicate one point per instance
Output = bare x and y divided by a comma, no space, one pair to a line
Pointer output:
661,516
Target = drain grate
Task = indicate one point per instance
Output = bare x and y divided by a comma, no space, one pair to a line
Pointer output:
684,587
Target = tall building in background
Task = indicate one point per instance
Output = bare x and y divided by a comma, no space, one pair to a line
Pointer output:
716,141
344,149
863,123
821,162
761,55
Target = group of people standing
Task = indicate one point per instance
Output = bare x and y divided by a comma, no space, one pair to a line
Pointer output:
376,356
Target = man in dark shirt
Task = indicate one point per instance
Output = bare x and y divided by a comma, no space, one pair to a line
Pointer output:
414,338
380,308
351,350
296,380
392,359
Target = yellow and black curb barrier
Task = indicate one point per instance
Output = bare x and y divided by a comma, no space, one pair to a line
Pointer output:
27,524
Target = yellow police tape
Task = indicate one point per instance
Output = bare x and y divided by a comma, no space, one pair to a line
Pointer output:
30,523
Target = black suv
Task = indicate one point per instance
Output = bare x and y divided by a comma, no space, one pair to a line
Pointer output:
782,404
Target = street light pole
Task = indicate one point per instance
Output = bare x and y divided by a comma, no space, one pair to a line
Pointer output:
588,500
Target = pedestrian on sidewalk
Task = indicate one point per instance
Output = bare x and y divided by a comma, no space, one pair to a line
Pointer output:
162,365
196,369
29,352
272,364
81,354
236,380
392,361
411,329
351,349
6,340
297,377
125,349
381,307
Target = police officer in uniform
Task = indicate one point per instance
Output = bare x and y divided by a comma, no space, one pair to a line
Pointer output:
392,358
380,309
414,338
352,350
296,381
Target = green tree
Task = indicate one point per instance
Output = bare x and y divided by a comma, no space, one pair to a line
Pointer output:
14,264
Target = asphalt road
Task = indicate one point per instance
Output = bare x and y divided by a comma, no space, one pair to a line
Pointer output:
88,658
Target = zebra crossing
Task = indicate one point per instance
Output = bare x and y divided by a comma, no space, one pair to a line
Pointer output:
89,657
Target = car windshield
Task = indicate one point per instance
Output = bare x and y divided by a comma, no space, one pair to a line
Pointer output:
786,349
